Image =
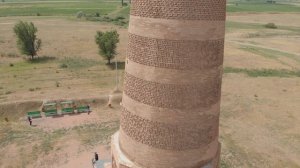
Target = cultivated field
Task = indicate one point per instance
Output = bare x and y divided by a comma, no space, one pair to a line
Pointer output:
259,124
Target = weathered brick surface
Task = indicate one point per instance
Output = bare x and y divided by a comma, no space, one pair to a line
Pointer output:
179,9
168,136
175,54
171,95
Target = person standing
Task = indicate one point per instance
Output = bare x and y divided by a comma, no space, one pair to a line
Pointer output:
96,156
30,120
89,109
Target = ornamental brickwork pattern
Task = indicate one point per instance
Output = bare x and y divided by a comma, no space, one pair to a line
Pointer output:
167,136
179,9
174,54
171,95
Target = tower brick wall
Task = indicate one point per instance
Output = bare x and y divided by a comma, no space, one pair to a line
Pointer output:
172,85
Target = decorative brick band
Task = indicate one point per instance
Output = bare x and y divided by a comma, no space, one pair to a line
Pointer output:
179,9
171,29
174,54
167,136
178,116
172,96
172,76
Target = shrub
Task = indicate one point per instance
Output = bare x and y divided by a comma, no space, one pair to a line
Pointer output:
11,64
120,18
8,92
271,26
63,65
80,14
97,14
107,19
31,89
38,14
27,41
57,84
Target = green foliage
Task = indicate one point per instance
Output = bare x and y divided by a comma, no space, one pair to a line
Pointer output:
55,8
270,53
93,134
77,63
271,26
63,65
27,41
80,14
107,43
263,72
262,7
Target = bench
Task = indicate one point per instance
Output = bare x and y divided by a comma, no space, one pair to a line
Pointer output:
67,110
82,109
34,114
51,113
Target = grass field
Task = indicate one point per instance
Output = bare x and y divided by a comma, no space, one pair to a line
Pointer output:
259,122
262,7
57,8
104,7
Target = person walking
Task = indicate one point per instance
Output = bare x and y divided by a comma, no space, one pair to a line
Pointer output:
95,159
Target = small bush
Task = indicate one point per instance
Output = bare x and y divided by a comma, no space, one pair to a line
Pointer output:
107,19
57,84
11,64
271,26
38,14
120,18
31,89
80,14
63,65
8,92
125,4
97,14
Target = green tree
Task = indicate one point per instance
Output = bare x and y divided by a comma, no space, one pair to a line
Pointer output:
27,41
107,43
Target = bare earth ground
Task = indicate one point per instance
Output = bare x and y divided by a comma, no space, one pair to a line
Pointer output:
259,124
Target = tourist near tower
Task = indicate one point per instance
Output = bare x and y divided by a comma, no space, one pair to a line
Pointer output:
172,85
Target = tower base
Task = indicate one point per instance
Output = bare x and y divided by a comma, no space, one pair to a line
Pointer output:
119,160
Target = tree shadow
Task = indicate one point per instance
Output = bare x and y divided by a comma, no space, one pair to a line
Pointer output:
121,65
42,59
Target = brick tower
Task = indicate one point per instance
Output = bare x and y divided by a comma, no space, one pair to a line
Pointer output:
172,88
